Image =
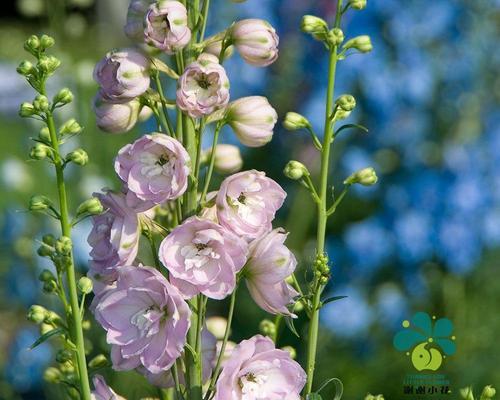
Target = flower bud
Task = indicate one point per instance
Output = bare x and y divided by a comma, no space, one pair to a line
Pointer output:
295,170
372,397
346,102
298,307
85,285
357,4
315,26
365,177
64,96
45,250
52,375
145,114
467,393
25,68
39,203
116,117
48,64
53,318
91,206
70,127
361,43
217,326
488,392
32,45
98,361
78,156
37,314
46,42
39,152
44,135
227,158
41,103
267,327
294,121
341,114
215,48
64,355
45,328
291,351
46,276
26,110
64,245
49,287
335,37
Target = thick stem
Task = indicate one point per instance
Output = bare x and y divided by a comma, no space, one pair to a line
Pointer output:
76,322
211,164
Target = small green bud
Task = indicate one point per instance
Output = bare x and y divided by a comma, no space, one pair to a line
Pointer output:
98,361
32,45
45,251
46,41
372,397
68,369
39,203
64,96
37,314
341,114
78,156
52,318
41,103
295,170
361,43
50,287
49,239
335,37
365,177
298,307
64,355
46,276
64,245
52,375
291,351
85,285
315,26
27,110
44,134
346,102
267,327
467,393
45,328
294,121
488,393
91,206
39,152
323,280
70,127
48,64
86,325
357,4
25,68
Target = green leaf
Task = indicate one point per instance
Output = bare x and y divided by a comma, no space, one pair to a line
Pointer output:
291,326
348,126
46,336
331,299
339,387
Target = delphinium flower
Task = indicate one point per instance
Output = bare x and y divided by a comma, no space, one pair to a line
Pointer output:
102,391
154,167
146,320
247,203
203,257
115,117
227,158
257,370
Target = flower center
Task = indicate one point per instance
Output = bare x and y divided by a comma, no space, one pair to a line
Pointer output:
162,160
154,165
252,386
203,81
146,320
198,253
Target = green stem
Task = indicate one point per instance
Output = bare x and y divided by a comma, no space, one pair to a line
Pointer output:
206,6
211,164
339,199
192,364
76,322
165,119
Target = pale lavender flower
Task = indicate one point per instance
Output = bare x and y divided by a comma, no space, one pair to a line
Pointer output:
115,117
252,119
256,41
122,75
102,391
247,203
257,370
167,26
270,262
203,87
227,158
136,13
155,167
203,257
146,320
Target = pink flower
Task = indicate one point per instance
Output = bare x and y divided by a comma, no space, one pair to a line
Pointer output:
252,119
167,26
155,167
102,391
123,75
247,202
115,117
256,41
203,257
146,320
203,87
270,262
257,370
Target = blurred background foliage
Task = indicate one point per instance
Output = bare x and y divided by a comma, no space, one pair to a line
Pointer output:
427,238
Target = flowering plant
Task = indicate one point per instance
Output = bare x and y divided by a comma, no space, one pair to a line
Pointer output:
204,240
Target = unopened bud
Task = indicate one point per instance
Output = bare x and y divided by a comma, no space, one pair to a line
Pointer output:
52,375
44,135
267,327
46,276
335,37
25,68
32,45
315,26
467,393
361,43
50,287
291,351
39,152
298,307
41,103
37,314
45,251
45,328
46,41
39,203
365,177
64,245
227,158
48,64
53,318
64,96
64,355
374,397
91,206
78,156
85,285
217,326
346,102
295,170
98,361
357,4
70,127
294,121
26,110
488,392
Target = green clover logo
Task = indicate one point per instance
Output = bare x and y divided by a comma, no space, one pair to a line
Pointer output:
429,342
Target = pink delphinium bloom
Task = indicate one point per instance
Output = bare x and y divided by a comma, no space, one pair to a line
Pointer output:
167,26
270,262
203,257
115,117
256,41
155,167
247,203
257,370
102,391
203,87
252,119
146,320
122,75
